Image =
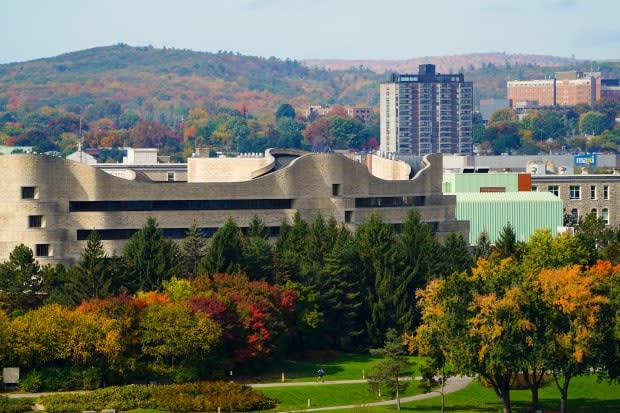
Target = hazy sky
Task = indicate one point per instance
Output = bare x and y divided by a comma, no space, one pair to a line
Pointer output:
298,29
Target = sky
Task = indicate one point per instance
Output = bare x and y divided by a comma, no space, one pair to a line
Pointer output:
313,29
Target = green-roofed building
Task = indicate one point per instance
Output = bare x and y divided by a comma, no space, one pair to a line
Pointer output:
491,200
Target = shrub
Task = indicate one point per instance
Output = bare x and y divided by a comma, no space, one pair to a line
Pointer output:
189,397
14,406
32,382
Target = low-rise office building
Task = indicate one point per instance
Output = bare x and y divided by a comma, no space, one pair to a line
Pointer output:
51,204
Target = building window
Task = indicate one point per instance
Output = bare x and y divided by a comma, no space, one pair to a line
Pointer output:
592,191
170,176
574,213
574,192
594,212
534,188
348,216
605,216
336,190
43,250
29,192
554,189
605,191
35,221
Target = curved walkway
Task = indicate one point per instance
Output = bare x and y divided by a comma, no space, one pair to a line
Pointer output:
453,384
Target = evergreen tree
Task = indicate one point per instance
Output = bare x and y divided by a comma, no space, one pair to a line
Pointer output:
340,295
225,252
257,228
258,258
483,246
193,249
455,255
387,372
91,275
20,280
150,258
417,255
506,243
378,257
289,250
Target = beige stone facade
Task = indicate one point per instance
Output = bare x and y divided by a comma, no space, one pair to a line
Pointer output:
582,194
51,204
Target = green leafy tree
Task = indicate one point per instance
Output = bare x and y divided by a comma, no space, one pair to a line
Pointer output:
150,258
387,372
591,123
285,110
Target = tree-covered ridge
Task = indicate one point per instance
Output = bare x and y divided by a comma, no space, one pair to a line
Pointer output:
143,75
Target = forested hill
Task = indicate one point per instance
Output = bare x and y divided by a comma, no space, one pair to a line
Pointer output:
171,80
173,77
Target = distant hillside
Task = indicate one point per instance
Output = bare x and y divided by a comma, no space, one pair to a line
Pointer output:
169,81
445,64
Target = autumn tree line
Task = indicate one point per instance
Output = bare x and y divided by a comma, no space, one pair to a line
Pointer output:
200,307
108,127
583,128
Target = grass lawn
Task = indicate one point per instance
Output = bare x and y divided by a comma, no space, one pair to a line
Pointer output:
345,367
586,395
295,398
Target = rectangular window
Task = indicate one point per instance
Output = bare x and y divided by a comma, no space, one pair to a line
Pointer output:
574,192
336,191
29,192
170,176
534,188
605,216
592,191
348,216
35,221
554,189
605,191
43,250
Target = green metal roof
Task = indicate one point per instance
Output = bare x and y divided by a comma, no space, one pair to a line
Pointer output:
526,212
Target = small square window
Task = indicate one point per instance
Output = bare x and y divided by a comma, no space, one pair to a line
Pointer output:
170,176
554,189
348,216
43,250
574,192
35,221
29,192
336,190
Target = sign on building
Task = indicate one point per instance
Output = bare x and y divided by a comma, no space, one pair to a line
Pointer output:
588,159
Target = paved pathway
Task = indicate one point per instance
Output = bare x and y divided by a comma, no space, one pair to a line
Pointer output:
452,385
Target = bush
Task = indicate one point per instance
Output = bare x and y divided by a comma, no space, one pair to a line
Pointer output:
190,397
33,382
14,406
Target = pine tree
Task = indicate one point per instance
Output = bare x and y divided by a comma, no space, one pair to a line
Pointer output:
340,295
193,249
91,269
378,257
483,246
20,280
225,252
417,256
455,255
150,258
506,243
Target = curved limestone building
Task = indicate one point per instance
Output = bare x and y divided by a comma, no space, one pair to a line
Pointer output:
51,204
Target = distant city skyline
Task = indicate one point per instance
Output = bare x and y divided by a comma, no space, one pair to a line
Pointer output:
315,29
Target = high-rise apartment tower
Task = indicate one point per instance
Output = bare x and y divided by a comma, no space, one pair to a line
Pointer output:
426,113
